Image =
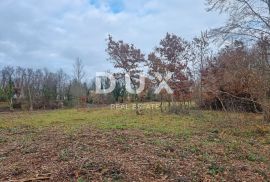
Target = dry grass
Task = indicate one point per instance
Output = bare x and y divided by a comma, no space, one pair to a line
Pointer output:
117,145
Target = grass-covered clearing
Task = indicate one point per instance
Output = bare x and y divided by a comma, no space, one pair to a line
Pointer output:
117,145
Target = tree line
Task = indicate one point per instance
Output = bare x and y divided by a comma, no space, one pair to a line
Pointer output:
234,76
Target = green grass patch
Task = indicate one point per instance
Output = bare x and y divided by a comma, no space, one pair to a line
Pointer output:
105,119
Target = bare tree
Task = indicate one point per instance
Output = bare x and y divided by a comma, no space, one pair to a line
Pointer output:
29,86
8,84
62,79
78,70
247,18
201,52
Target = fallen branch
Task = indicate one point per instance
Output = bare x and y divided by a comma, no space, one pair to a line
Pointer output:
32,179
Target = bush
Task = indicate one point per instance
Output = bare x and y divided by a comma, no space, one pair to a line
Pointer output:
241,103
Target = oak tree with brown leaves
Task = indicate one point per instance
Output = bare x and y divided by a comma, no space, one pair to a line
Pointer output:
128,59
172,56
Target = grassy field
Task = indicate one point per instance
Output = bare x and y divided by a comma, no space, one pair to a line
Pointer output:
117,145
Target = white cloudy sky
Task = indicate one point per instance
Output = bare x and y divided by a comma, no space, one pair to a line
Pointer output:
52,33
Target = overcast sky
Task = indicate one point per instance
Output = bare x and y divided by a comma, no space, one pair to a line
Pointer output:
52,33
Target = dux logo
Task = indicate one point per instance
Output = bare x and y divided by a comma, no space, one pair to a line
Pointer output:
163,83
110,79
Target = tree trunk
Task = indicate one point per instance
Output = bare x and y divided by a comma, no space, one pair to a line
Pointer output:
136,97
30,99
266,109
266,115
161,103
265,102
11,104
137,105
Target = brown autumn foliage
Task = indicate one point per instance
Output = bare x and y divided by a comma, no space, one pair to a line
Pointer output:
232,80
172,56
128,59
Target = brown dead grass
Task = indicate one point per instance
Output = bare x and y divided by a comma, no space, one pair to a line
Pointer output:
216,151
